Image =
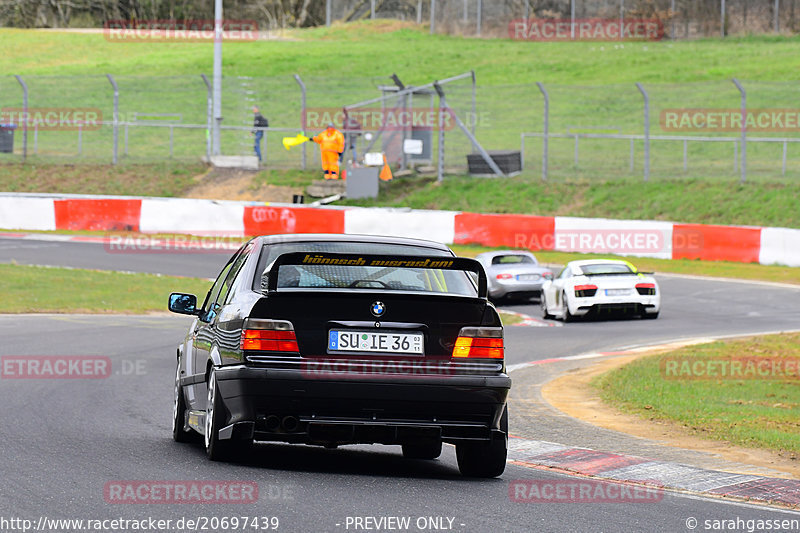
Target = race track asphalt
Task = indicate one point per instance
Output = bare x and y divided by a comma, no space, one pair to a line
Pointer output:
64,440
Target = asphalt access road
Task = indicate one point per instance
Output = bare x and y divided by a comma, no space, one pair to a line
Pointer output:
65,439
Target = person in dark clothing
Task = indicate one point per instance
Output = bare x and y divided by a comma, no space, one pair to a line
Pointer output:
258,122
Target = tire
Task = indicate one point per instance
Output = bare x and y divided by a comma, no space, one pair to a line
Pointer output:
567,316
543,305
428,450
179,412
216,449
481,459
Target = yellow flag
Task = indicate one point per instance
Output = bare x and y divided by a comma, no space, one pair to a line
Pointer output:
288,142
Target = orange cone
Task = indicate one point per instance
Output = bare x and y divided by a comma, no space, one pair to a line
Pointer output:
386,172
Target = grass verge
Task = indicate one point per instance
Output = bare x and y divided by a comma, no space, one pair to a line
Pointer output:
34,289
509,319
759,413
691,201
167,179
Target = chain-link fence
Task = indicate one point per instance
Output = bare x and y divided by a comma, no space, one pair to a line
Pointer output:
679,19
693,129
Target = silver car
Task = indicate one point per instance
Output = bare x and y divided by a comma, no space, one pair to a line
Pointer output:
513,274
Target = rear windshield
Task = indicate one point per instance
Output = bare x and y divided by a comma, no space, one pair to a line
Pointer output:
429,280
606,268
513,259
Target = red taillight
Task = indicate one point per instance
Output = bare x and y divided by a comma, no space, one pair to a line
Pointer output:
479,343
547,275
646,289
504,276
583,291
269,336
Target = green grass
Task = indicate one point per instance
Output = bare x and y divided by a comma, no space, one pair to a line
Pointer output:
157,179
509,319
692,201
33,289
761,413
591,85
349,50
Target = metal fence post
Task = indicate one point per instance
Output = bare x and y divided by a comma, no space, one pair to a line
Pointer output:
630,157
419,12
474,103
433,17
722,17
783,159
646,130
572,19
776,21
621,16
327,13
743,165
546,138
685,155
25,116
440,122
209,115
672,20
372,9
480,17
115,117
302,112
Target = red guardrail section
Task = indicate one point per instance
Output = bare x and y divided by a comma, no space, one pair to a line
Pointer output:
518,231
111,214
268,220
716,243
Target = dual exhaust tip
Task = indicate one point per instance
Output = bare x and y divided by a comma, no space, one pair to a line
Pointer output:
289,424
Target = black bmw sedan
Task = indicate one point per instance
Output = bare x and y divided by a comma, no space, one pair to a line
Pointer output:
345,339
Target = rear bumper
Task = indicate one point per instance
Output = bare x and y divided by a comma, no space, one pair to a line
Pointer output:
388,410
500,289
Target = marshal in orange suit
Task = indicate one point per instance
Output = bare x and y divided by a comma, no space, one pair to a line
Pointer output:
331,145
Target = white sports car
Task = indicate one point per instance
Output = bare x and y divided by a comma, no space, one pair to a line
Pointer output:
596,285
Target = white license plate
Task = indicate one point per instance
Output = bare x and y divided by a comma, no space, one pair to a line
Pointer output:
528,277
370,341
617,292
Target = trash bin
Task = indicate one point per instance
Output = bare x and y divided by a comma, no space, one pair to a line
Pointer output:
7,138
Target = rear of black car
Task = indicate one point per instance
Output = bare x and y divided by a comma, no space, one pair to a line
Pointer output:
383,348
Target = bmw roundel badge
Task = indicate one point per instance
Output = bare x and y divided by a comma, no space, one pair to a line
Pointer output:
378,308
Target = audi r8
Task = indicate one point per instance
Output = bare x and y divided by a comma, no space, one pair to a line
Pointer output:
596,286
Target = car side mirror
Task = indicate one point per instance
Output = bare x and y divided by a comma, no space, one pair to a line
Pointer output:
184,304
